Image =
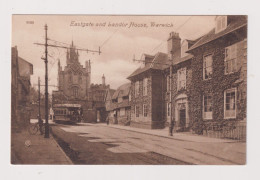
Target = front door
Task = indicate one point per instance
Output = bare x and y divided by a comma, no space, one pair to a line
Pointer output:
182,118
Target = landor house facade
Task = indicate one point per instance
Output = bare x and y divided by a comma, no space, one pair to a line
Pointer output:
178,84
219,73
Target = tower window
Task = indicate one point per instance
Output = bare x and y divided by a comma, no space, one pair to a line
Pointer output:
75,91
80,79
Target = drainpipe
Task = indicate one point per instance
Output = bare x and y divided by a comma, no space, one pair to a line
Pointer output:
171,121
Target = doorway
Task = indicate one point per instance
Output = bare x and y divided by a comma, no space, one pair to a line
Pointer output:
182,119
181,113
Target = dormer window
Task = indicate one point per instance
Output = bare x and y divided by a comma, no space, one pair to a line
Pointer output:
221,23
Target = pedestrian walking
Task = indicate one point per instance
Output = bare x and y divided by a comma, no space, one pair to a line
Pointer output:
107,120
40,121
171,127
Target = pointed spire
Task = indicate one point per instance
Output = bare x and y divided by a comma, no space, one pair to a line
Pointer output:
72,43
103,80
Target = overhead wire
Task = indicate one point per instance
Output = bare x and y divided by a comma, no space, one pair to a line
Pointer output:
175,30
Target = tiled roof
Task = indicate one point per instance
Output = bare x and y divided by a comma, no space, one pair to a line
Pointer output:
160,61
185,58
123,90
241,22
125,103
109,92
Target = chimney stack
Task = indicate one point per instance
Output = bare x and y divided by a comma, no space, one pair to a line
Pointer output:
174,45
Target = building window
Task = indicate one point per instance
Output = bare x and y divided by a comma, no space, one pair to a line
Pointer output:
231,59
136,88
168,109
145,110
137,111
230,103
75,91
122,112
221,23
181,78
207,106
168,83
145,86
207,67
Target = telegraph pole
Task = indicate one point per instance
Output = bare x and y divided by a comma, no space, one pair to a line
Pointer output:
39,85
46,135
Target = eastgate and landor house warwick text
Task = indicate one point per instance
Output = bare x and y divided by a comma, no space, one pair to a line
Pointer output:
121,24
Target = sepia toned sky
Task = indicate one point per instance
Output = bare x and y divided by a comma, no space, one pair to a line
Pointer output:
118,44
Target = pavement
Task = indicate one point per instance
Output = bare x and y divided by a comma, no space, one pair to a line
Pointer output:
35,149
187,136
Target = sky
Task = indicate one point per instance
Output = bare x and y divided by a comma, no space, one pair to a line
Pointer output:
120,38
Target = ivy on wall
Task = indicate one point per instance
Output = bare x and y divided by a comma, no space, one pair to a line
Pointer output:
217,85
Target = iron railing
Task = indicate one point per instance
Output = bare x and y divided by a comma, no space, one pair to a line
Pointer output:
227,131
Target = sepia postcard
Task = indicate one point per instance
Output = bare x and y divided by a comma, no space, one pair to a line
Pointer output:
128,90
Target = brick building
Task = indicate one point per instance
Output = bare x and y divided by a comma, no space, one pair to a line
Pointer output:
219,74
20,95
147,89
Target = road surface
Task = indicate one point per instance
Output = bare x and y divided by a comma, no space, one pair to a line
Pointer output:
95,144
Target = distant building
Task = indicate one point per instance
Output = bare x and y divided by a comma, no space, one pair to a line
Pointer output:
74,81
96,97
20,96
120,111
109,104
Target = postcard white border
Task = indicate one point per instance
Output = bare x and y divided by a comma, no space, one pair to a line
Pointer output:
145,7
